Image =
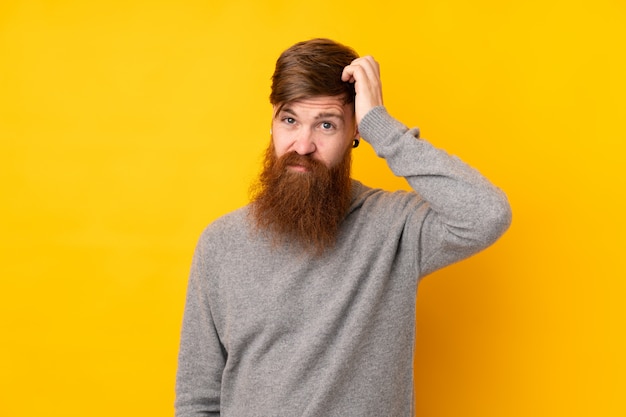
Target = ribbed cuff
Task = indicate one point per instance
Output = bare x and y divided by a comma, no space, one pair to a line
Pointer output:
377,124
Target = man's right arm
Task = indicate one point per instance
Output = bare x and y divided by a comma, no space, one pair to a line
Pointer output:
201,358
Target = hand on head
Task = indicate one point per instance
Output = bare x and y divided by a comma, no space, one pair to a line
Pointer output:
364,72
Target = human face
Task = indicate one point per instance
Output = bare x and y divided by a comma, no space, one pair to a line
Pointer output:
320,127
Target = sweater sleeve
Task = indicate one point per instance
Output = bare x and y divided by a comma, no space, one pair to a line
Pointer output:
201,357
466,213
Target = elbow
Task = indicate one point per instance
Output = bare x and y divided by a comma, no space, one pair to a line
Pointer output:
495,220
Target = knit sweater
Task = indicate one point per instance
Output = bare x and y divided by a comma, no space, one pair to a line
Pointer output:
277,332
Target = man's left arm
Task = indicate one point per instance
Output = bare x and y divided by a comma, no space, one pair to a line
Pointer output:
466,213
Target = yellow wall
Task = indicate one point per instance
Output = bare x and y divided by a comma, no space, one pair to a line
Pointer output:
127,126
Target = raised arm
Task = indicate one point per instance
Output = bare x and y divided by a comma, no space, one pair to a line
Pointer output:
466,212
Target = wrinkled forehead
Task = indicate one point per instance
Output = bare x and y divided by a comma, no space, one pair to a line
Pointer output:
322,103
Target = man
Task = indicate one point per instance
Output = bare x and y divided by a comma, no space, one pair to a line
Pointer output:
303,302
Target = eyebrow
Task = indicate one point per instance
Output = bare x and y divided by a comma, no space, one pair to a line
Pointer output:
323,115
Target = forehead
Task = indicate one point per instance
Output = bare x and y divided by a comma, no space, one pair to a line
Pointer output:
316,106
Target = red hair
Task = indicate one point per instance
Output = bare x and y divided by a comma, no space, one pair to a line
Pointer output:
310,69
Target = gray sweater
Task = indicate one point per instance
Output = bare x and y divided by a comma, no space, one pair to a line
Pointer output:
274,332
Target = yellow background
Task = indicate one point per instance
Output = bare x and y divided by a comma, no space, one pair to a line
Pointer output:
127,126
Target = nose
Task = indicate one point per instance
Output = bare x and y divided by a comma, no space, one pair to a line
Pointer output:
304,143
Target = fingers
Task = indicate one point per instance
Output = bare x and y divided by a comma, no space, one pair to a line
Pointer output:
364,72
361,67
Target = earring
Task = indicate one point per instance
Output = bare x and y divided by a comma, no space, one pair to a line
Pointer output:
355,143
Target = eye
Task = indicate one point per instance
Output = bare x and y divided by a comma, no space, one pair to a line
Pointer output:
327,125
289,120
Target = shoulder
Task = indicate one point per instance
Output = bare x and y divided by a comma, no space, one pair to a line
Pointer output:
233,226
377,199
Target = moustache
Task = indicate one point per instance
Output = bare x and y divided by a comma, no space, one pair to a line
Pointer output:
307,162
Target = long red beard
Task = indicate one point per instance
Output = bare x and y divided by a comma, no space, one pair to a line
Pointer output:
304,208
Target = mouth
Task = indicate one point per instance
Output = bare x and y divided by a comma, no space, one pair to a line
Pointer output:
298,168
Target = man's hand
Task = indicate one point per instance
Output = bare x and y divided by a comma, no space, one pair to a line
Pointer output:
365,74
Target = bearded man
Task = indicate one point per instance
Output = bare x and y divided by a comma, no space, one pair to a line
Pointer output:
302,303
